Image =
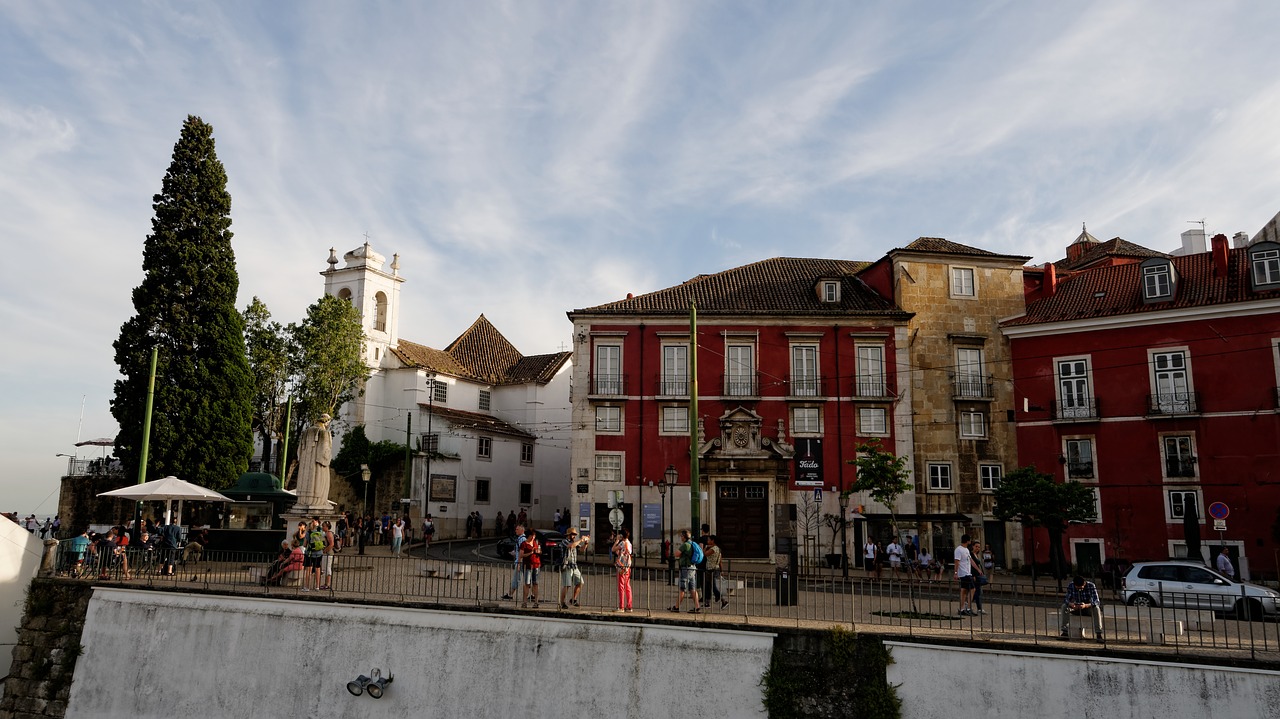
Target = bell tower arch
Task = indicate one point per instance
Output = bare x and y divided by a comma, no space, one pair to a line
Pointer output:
375,292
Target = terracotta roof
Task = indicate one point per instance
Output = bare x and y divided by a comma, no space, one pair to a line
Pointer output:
461,419
947,247
1117,290
482,354
1114,247
776,286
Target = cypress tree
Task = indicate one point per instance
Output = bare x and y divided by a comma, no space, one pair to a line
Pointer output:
185,306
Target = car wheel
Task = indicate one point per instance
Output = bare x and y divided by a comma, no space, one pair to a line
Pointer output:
1249,610
1142,600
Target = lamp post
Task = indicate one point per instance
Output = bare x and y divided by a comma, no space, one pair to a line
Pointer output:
662,522
426,495
672,478
364,475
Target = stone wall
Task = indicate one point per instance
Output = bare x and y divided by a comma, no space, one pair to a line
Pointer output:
44,660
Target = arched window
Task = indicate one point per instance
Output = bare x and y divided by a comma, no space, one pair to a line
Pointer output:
380,320
344,294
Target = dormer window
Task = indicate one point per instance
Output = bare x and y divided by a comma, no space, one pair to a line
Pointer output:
1158,280
829,290
1264,265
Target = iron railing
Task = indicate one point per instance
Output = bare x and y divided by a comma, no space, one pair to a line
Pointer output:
805,385
608,385
1177,403
1076,409
673,386
971,386
741,385
871,388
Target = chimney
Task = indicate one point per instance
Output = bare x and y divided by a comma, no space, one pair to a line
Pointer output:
1074,250
1219,255
1192,242
1050,282
1241,239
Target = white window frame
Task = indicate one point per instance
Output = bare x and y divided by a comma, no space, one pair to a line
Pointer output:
606,378
1097,504
1074,390
675,370
964,282
805,372
674,420
870,379
941,477
812,425
1264,267
973,424
439,391
1157,281
971,377
1169,491
740,369
830,291
485,401
990,476
1091,443
608,467
1190,445
1173,404
612,425
869,427
484,448
526,453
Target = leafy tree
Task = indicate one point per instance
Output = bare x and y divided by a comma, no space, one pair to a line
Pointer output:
267,347
185,307
1034,500
328,365
357,450
882,476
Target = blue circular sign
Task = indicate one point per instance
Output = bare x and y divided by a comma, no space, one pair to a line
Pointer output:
1218,510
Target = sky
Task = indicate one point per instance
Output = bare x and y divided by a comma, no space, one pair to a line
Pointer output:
529,158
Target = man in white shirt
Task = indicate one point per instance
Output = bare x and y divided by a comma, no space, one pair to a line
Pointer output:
1225,566
964,573
895,555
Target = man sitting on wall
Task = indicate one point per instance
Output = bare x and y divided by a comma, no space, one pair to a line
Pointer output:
1082,599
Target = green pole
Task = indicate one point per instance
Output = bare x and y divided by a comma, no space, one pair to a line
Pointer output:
695,505
284,451
146,419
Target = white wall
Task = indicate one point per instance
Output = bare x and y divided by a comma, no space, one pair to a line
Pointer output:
947,682
20,553
213,656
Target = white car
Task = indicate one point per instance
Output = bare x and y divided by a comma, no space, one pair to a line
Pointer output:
1195,586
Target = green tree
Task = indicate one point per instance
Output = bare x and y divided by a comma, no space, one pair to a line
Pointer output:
328,364
185,307
267,347
357,450
882,476
1033,499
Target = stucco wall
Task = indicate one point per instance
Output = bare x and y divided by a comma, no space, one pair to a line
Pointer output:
214,656
20,553
947,682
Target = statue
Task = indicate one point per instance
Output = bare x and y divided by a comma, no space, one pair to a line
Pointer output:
314,450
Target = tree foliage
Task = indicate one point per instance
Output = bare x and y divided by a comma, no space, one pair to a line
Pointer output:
267,347
185,307
883,476
1033,499
357,450
328,367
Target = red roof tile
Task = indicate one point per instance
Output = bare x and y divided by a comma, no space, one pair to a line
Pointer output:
482,354
461,419
1115,247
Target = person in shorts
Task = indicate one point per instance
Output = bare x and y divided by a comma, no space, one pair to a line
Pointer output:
314,557
531,563
964,574
570,577
688,581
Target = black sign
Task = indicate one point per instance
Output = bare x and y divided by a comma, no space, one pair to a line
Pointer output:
809,462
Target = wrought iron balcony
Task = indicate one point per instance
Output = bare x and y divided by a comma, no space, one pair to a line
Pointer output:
741,385
805,386
607,385
971,386
1177,403
1076,409
1180,466
673,386
1080,469
871,388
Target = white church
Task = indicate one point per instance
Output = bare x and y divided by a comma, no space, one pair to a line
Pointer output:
490,426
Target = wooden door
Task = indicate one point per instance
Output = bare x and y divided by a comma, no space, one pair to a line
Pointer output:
742,520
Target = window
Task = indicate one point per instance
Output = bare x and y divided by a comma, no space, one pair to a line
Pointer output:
740,371
1074,400
1097,506
990,475
675,420
1179,461
806,420
753,491
439,391
608,419
380,316
431,443
608,378
870,369
1157,280
1182,500
962,282
973,425
1264,258
970,379
872,420
485,400
608,468
484,447
830,291
675,370
1080,458
526,453
526,493
804,370
939,477
482,490
1170,383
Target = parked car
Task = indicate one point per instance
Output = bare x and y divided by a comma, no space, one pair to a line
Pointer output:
1194,586
553,547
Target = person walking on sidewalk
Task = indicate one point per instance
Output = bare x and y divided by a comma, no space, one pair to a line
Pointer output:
964,574
621,553
514,592
397,536
711,575
688,581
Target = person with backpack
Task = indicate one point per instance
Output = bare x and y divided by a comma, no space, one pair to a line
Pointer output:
621,554
314,556
514,592
689,554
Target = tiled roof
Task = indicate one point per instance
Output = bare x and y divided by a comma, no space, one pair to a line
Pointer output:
1117,290
461,419
940,245
1115,247
776,286
482,354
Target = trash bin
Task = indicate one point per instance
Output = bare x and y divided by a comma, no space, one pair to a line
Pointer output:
786,581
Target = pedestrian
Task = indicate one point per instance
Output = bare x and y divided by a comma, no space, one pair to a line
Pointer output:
523,517
894,550
44,528
428,533
620,550
361,534
1081,599
713,557
326,559
343,524
980,579
964,573
514,592
704,531
498,524
57,526
570,577
314,556
170,541
512,524
531,564
300,534
1224,564
870,555
688,581
479,525
470,524
397,536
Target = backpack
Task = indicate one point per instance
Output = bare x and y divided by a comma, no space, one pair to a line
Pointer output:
315,540
696,557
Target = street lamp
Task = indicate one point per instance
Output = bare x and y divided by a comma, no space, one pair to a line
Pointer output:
662,522
364,475
672,477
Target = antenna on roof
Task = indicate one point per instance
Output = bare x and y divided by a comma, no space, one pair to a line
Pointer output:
1197,222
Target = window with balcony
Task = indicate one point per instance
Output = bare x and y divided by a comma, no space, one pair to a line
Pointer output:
1179,456
675,371
1181,501
739,370
526,453
1264,263
486,400
1080,458
873,421
1075,397
804,370
608,468
806,420
1171,391
608,418
939,477
608,370
973,424
870,371
989,476
484,448
971,381
675,420
962,284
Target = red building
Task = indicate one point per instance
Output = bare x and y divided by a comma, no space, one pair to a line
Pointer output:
1154,378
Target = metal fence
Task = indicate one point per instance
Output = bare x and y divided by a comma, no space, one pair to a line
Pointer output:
1011,608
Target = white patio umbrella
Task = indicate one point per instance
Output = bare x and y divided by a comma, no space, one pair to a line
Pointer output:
167,489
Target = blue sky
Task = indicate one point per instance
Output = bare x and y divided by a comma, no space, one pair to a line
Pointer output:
528,158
